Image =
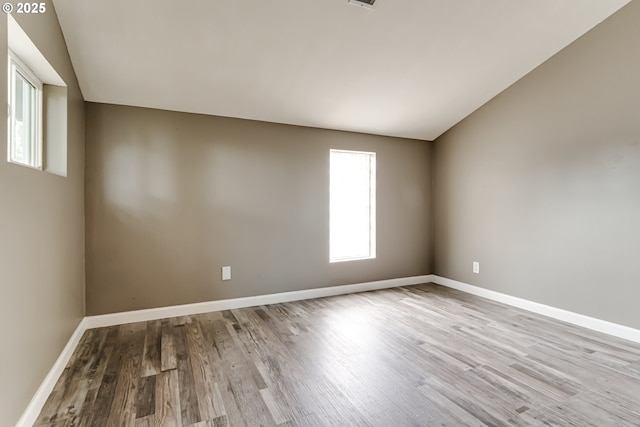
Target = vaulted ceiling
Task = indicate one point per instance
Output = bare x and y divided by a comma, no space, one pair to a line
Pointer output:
408,68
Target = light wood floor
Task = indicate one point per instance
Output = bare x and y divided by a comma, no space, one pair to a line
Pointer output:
414,356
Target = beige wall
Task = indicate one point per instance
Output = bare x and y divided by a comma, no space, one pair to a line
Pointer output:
41,240
542,184
172,197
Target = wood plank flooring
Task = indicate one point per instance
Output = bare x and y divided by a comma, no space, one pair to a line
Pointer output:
413,356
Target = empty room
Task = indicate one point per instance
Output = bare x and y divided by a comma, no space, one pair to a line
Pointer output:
320,213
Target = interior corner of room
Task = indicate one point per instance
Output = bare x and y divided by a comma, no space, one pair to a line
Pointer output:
526,191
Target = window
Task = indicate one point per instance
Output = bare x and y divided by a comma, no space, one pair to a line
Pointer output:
352,218
25,115
37,98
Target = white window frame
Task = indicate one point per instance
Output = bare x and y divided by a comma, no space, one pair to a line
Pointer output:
333,258
16,66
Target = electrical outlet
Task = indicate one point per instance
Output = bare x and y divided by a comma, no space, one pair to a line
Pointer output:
226,272
476,267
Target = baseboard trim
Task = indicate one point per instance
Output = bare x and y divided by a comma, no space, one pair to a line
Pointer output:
29,417
592,323
30,414
113,319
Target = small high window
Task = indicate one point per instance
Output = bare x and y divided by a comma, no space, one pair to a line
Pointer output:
352,219
25,115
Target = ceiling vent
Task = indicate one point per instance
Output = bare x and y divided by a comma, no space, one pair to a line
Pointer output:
364,3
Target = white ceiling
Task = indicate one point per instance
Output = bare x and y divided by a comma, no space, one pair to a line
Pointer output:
409,68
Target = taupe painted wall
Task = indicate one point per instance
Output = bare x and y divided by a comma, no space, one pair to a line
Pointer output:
172,197
542,184
41,239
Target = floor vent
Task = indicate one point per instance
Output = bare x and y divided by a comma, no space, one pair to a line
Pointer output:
364,3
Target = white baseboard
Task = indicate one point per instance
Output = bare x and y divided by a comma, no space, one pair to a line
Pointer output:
603,326
229,304
30,415
39,399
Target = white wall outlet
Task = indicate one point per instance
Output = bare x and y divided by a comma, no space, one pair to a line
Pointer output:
226,272
476,267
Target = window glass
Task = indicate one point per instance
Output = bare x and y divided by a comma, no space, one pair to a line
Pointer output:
25,94
352,205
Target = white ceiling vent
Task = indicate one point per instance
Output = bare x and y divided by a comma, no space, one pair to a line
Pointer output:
364,3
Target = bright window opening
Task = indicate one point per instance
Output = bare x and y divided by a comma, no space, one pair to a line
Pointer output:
37,106
352,205
25,115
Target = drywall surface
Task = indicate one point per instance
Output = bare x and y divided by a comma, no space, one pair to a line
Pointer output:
542,184
41,239
172,197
